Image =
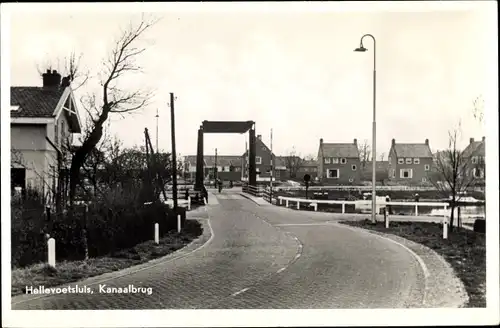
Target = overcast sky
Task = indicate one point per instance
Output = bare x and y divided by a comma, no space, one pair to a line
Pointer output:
293,72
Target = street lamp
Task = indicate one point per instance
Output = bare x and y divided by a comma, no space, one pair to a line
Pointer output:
374,128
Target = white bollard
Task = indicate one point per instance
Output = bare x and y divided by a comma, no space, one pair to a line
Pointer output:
157,233
51,243
343,208
416,210
387,221
179,223
281,201
287,203
445,227
189,203
204,201
298,205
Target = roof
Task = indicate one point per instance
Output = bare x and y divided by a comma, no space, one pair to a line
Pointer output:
309,163
420,150
34,101
380,166
475,148
340,150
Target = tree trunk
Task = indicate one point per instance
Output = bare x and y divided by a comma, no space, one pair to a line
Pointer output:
452,216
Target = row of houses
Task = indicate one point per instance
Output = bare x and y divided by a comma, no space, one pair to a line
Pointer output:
336,163
44,118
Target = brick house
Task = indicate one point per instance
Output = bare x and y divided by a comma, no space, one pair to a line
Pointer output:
410,162
43,121
475,153
338,163
308,167
263,160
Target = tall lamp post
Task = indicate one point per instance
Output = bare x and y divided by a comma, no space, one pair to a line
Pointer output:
374,127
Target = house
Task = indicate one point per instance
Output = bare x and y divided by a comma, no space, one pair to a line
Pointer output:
338,163
410,162
475,153
43,121
263,160
229,167
308,167
381,171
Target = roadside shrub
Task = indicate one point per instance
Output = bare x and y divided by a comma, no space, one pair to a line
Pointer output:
116,221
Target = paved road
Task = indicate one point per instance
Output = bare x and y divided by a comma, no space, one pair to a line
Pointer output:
267,257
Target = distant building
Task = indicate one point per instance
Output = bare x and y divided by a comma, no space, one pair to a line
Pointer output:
475,153
410,162
338,163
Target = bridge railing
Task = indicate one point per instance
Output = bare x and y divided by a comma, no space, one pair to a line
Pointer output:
256,191
381,203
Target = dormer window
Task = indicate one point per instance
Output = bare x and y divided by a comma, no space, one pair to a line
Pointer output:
416,160
401,161
14,108
408,161
343,161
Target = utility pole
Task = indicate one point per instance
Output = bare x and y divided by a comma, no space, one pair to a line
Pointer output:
174,154
272,171
246,159
215,168
157,116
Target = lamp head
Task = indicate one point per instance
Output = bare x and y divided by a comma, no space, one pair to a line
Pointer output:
360,49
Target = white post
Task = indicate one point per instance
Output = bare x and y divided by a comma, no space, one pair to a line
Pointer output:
204,201
445,227
287,203
298,205
281,201
179,223
189,203
157,233
386,219
343,208
416,210
51,243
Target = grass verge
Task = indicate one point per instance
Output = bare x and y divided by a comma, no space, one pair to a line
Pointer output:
464,249
66,272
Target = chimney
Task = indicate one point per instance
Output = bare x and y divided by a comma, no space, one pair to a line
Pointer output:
484,139
65,82
393,142
51,79
471,140
259,136
427,142
356,142
321,141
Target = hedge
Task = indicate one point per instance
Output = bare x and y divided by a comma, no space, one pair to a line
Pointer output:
109,228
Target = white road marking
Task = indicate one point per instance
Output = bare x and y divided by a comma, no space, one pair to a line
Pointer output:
280,270
241,291
297,256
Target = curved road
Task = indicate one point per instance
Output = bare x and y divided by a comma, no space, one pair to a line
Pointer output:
267,257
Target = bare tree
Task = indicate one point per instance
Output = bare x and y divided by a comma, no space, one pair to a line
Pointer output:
478,109
364,153
121,61
452,173
293,161
382,157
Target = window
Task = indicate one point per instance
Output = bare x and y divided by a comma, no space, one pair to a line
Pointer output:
478,173
416,161
258,160
408,161
474,159
227,169
237,169
343,161
56,134
277,174
14,108
401,161
405,173
335,160
354,167
427,167
306,169
327,160
424,179
332,173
